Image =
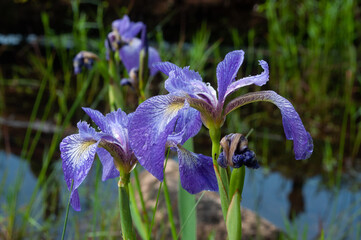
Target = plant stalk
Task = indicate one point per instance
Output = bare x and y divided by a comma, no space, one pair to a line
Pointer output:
125,216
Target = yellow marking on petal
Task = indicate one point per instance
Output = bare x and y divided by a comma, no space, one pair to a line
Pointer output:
174,107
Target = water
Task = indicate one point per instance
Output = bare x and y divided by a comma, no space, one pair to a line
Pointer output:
272,196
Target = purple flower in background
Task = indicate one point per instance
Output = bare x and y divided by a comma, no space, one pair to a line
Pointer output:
84,59
111,144
156,119
123,39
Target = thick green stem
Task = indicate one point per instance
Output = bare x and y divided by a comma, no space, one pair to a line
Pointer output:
221,173
125,216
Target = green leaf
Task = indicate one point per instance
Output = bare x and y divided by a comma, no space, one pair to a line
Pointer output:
237,180
234,219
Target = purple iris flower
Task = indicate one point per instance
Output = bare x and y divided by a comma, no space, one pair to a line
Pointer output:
123,39
156,119
111,144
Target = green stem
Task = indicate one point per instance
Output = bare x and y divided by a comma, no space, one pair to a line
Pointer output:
168,203
125,216
221,173
169,209
139,189
67,211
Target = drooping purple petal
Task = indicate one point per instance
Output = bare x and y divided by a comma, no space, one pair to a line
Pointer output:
98,118
292,123
74,200
151,124
227,71
78,152
259,79
109,169
196,171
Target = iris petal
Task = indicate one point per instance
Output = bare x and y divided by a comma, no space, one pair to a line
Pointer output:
196,171
74,200
151,124
78,152
227,72
132,31
121,25
166,67
189,123
152,59
117,123
292,123
129,54
259,79
109,170
98,118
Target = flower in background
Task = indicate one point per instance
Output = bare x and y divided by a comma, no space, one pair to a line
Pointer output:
84,59
123,39
156,118
111,144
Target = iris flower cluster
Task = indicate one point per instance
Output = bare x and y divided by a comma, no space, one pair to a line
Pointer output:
154,123
168,121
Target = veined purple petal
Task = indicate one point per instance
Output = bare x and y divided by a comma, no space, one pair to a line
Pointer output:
166,67
292,123
185,81
227,71
98,118
196,171
117,122
151,124
259,79
78,152
189,123
109,170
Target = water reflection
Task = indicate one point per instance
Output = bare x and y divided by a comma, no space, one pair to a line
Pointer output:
310,206
296,198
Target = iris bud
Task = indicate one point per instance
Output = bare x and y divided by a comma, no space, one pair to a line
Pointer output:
236,153
84,59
